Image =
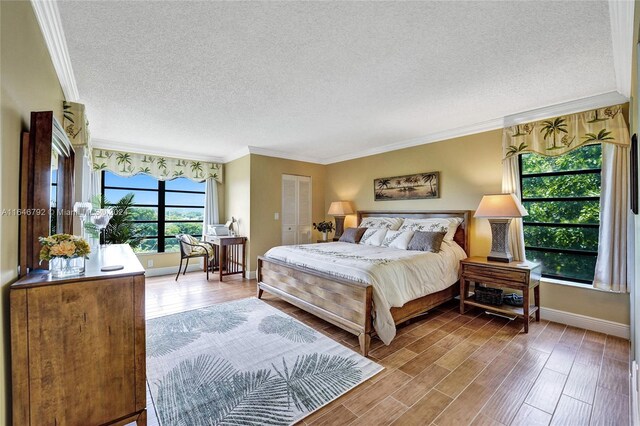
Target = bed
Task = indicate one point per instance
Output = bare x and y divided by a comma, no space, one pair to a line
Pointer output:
304,277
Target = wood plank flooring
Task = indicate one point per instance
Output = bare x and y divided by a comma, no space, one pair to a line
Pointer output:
451,369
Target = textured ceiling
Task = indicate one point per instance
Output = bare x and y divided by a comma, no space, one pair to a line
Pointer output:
325,79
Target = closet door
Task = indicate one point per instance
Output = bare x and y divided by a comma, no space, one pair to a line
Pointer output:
296,209
289,209
304,210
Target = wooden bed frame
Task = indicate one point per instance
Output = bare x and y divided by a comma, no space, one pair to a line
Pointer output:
345,303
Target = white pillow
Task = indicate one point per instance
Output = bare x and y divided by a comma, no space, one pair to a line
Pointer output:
397,239
373,237
440,224
391,223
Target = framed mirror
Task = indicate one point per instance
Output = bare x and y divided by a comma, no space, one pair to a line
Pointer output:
46,186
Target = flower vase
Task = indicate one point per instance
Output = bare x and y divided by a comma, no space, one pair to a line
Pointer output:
325,236
61,267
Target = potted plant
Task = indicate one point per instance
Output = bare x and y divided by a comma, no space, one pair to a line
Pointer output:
325,228
65,254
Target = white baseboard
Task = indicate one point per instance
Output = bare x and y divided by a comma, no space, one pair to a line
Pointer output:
170,270
588,323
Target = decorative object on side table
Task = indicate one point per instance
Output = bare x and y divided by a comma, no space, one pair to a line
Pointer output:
231,226
65,253
500,209
325,228
489,295
410,187
100,218
83,211
339,209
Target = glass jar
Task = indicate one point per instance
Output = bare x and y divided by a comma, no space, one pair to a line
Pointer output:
60,267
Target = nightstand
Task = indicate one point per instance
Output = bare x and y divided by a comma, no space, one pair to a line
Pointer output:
324,241
521,276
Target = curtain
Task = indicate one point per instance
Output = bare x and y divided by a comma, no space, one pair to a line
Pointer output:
560,135
616,237
511,185
210,205
95,186
75,123
162,168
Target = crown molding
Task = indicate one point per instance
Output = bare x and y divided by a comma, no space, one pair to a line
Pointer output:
279,154
577,105
238,154
48,17
465,130
130,147
621,17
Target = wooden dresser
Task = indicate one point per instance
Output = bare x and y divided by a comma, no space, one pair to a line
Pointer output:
78,345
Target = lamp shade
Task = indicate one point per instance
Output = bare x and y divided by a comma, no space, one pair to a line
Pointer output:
500,206
340,208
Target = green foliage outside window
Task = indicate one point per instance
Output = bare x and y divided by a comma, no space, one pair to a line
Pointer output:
143,219
574,201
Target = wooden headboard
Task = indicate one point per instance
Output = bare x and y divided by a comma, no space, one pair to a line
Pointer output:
462,233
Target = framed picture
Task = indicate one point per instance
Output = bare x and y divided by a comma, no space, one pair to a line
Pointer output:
634,174
410,187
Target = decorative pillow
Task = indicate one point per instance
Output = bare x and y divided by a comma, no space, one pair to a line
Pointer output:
427,241
373,237
352,235
397,239
188,240
448,225
391,223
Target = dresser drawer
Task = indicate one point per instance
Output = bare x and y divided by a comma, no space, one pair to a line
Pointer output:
479,273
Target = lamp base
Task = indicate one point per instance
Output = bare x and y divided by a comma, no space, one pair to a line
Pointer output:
500,241
339,227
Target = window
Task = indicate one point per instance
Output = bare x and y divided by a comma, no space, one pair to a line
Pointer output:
161,210
562,196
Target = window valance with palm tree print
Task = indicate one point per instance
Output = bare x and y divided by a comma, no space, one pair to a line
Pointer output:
162,168
559,135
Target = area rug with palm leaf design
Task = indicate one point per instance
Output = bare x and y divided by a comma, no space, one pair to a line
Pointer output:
245,363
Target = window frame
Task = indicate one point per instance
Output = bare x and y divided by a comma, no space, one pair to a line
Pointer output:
589,253
161,205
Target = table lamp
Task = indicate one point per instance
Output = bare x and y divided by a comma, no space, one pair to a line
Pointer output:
500,209
339,209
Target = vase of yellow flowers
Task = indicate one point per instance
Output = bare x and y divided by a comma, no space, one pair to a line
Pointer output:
65,253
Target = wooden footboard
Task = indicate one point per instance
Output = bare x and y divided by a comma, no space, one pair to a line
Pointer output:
344,303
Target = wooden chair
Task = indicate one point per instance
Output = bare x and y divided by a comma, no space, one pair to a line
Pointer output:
191,248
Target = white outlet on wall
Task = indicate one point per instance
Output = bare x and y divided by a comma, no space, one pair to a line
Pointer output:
276,216
150,263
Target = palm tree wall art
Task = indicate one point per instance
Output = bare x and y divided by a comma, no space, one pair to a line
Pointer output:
410,187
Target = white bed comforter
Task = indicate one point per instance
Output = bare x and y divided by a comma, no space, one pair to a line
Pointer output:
397,276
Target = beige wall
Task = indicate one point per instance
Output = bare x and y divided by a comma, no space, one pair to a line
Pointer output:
469,167
237,190
29,83
266,199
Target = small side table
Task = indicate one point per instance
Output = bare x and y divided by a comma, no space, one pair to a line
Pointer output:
229,256
521,276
